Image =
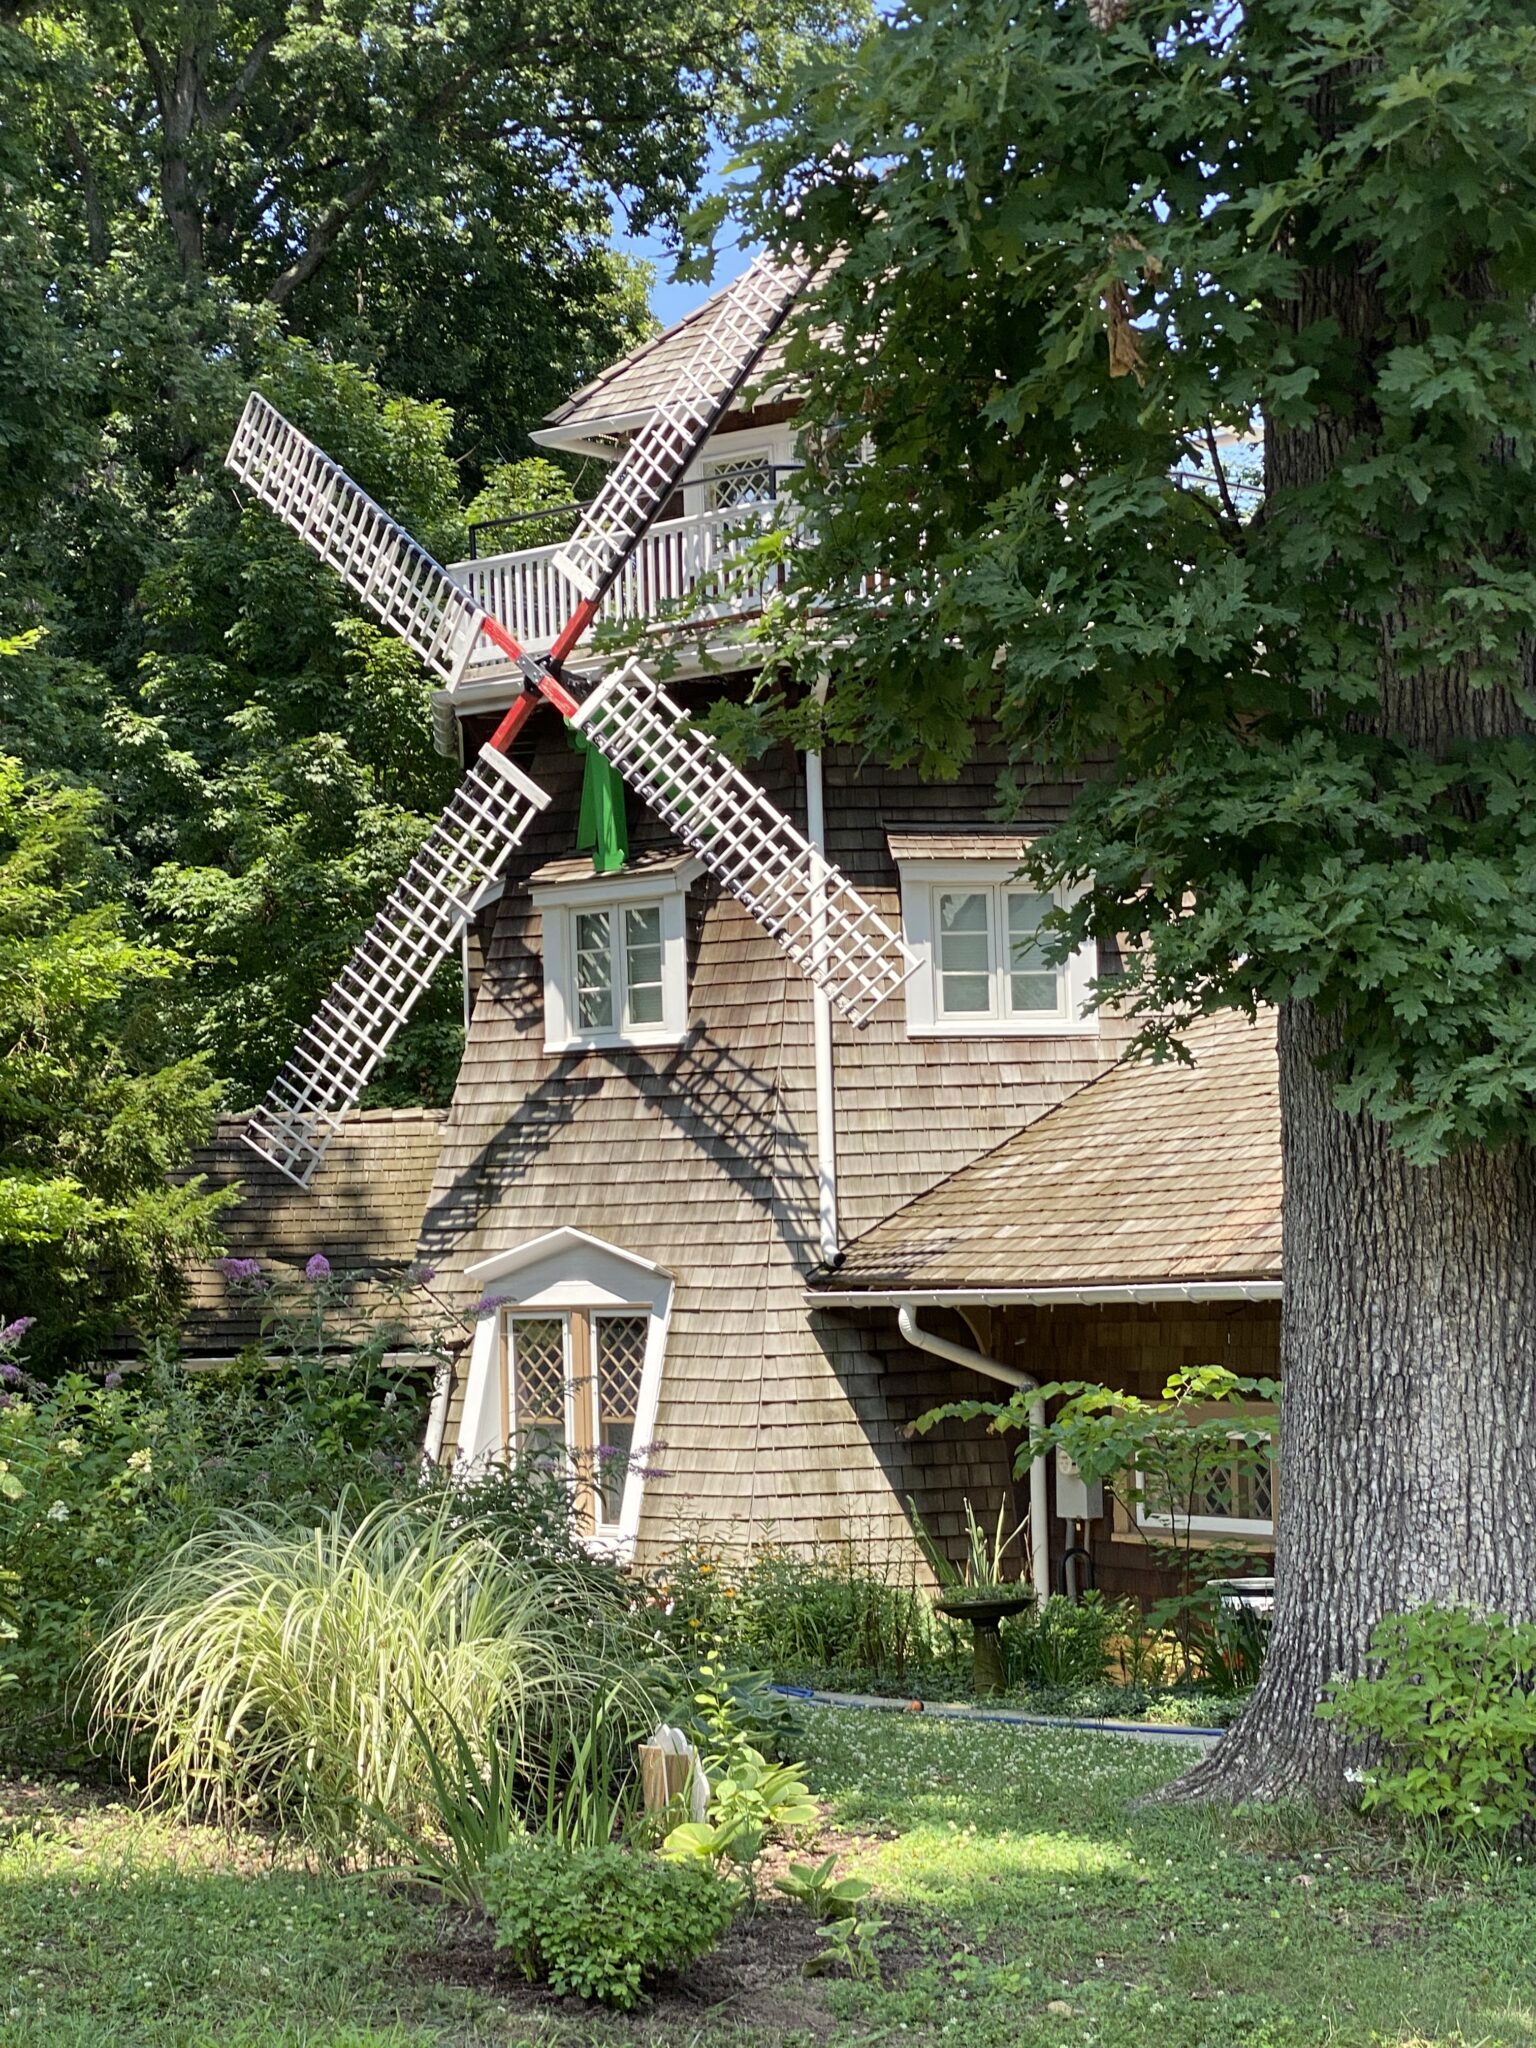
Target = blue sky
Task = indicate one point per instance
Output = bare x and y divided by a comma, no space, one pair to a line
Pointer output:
671,301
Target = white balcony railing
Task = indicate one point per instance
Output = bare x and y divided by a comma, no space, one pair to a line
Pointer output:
685,571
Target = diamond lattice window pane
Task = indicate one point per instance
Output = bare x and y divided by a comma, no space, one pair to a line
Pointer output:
538,1365
620,1363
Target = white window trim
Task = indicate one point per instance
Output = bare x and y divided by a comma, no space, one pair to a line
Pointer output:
552,1274
1208,1525
922,882
560,903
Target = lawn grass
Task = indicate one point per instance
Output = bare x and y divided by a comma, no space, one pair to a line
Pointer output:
1031,1903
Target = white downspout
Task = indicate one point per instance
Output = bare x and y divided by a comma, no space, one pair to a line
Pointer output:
991,1368
821,1031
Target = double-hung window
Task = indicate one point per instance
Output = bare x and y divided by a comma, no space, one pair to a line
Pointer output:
978,930
615,954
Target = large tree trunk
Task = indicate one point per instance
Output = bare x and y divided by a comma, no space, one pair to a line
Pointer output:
1408,1445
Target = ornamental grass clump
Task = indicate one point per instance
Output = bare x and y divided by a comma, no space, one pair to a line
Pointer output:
305,1674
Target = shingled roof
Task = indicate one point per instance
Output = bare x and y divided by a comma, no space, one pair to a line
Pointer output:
628,392
1148,1176
363,1210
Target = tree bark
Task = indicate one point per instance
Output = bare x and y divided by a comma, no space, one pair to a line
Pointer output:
1408,1437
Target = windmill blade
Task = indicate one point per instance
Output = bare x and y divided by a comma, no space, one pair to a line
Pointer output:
375,992
742,324
840,941
392,573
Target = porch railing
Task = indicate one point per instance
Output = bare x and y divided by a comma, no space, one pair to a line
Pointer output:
686,570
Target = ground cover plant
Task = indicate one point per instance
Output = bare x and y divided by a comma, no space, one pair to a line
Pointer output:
1029,1902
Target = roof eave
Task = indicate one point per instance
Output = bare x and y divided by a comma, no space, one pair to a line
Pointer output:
1102,1296
602,436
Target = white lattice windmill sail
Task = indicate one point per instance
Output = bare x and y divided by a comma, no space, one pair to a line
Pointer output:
815,913
740,325
392,573
828,929
376,991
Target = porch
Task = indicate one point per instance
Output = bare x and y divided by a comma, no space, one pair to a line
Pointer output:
691,570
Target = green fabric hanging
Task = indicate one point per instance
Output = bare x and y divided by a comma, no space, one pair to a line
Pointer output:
601,828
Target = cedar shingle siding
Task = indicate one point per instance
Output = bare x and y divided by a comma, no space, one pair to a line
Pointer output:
363,1210
702,1158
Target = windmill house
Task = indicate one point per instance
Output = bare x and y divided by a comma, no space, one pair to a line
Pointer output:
665,1134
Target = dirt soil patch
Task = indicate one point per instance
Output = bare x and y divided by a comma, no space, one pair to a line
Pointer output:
756,1975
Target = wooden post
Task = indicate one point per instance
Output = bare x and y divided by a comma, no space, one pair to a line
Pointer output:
663,1777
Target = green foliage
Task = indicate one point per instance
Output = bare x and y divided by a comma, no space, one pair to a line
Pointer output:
850,1946
604,1923
99,1479
292,1671
1071,260
841,1609
824,1894
93,1115
1068,1643
475,1808
1163,1456
985,1553
123,1930
753,1803
400,225
725,1710
1449,1719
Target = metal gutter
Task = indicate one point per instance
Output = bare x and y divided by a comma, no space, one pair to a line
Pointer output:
1042,1297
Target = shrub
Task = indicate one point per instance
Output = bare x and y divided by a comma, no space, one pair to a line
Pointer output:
296,1671
842,1610
1066,1643
604,1922
102,1476
1451,1711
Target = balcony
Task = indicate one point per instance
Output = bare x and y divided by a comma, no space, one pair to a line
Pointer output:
686,571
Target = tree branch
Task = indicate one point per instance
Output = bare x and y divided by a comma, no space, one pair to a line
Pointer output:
98,239
249,72
350,204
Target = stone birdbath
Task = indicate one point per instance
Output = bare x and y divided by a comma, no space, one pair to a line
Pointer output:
985,1608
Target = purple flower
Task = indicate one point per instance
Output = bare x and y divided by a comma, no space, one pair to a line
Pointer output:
423,1276
607,1451
113,1379
241,1271
319,1268
489,1304
14,1332
9,1373
650,1471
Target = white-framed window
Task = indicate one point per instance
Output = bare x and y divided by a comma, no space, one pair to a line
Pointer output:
975,926
566,1366
1234,1500
571,1385
616,958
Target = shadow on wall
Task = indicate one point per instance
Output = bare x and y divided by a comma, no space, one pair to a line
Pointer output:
888,1386
732,1116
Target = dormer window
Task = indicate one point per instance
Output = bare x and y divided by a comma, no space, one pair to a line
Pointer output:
615,952
975,925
